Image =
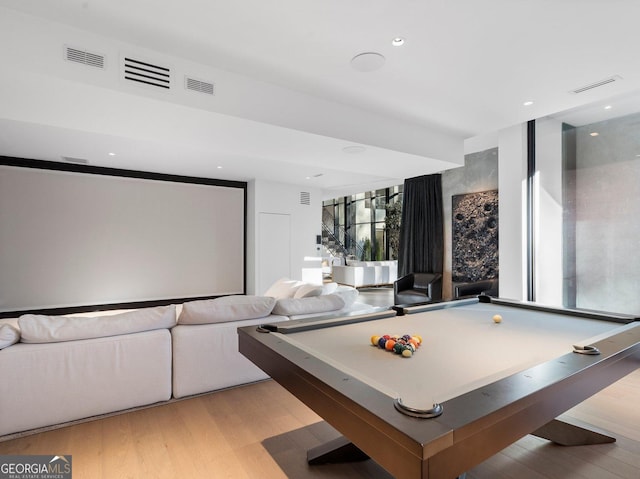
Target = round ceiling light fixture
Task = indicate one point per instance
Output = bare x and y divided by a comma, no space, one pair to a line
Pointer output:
397,42
368,61
353,149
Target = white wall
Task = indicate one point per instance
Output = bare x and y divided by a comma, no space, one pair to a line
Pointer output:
305,222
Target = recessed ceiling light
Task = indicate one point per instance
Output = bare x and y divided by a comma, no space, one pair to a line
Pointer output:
112,154
397,42
219,167
368,61
608,107
352,149
528,103
594,133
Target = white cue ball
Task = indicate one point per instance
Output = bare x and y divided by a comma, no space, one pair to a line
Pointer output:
497,318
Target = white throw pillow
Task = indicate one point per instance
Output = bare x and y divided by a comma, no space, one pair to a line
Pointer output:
9,335
314,304
308,290
348,294
225,309
328,288
36,328
283,288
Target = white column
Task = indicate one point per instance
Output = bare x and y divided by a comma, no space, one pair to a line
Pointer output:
549,212
512,170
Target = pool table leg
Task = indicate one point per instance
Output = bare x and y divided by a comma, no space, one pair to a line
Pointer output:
567,434
340,450
335,451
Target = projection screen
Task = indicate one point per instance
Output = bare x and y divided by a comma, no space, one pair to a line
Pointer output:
77,239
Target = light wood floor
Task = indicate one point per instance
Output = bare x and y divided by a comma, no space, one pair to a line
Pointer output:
261,431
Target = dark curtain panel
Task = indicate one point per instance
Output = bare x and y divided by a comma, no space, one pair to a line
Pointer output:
422,227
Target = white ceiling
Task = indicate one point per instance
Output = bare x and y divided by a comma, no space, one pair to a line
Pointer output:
466,69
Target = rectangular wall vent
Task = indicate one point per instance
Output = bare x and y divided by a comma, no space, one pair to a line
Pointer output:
305,198
597,84
84,57
147,73
199,86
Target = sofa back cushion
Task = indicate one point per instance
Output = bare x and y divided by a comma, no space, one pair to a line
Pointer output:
36,328
308,291
225,309
329,288
310,305
9,335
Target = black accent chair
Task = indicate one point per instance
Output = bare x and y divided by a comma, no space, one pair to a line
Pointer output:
417,288
488,287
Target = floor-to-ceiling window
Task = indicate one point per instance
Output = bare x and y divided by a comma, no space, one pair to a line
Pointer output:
588,228
356,226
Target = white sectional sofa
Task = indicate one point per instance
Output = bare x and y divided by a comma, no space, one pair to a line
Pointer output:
57,369
62,370
205,343
366,273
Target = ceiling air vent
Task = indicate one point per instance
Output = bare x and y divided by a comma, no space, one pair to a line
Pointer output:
147,73
597,84
84,57
199,86
305,198
71,159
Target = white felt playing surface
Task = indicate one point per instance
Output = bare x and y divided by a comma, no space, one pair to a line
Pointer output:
462,349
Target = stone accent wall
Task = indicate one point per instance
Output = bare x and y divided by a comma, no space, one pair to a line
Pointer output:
479,173
607,229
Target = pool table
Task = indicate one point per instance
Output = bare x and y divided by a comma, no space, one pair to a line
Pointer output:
473,387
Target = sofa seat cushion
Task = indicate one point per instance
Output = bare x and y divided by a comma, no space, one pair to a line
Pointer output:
9,334
206,357
36,328
52,383
225,309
